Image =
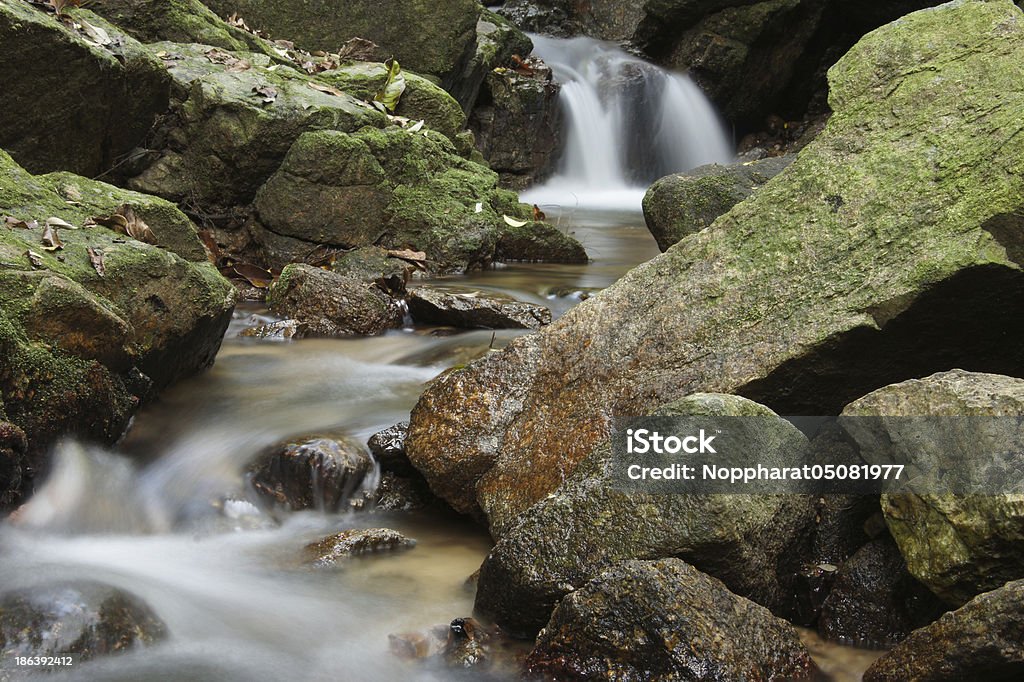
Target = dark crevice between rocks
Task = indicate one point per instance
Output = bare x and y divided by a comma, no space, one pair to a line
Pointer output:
973,321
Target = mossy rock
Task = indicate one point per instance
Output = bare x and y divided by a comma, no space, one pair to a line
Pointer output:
225,138
80,350
181,21
427,37
422,99
890,248
390,188
71,104
497,39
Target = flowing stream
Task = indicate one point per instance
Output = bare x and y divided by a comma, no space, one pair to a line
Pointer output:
150,516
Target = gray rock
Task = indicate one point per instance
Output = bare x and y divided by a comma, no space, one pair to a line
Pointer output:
388,448
317,473
84,620
351,543
471,309
679,205
981,640
957,545
329,304
754,543
664,620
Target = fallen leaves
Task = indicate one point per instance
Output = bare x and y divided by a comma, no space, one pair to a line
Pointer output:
96,259
267,93
51,241
34,258
126,221
512,222
253,274
17,224
538,215
327,89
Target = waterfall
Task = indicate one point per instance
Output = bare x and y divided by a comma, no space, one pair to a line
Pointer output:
627,123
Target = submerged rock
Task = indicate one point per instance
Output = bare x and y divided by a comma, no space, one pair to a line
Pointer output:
664,620
89,330
679,205
957,545
319,473
350,543
388,448
82,107
981,640
753,543
875,602
282,329
84,620
817,290
472,309
328,304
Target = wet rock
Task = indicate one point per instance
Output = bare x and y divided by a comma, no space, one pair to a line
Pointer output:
429,38
664,620
230,127
377,266
388,448
13,447
282,329
606,19
79,350
497,39
754,543
875,602
467,645
405,493
981,640
472,309
679,205
329,304
389,188
957,545
350,543
85,620
182,21
318,473
793,297
517,121
422,99
115,91
539,242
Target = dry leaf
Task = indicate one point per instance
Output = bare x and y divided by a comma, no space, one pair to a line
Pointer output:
126,221
479,208
417,258
253,274
240,65
538,215
267,93
417,127
96,258
95,33
51,242
326,89
57,222
15,224
512,222
35,259
218,56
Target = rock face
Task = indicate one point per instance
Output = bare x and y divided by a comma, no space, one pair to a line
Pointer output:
80,348
329,304
817,290
85,620
472,309
957,545
427,37
875,602
85,105
679,205
981,640
497,40
318,473
349,543
517,121
13,446
181,21
231,124
664,620
753,543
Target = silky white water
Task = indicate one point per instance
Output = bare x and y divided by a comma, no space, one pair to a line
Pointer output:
627,123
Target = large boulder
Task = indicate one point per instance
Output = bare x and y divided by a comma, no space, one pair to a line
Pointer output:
890,248
679,205
234,116
982,640
181,21
83,106
427,37
312,473
497,40
394,188
89,330
329,304
957,544
83,620
664,620
753,543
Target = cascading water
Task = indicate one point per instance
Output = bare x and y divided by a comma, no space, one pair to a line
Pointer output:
627,123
